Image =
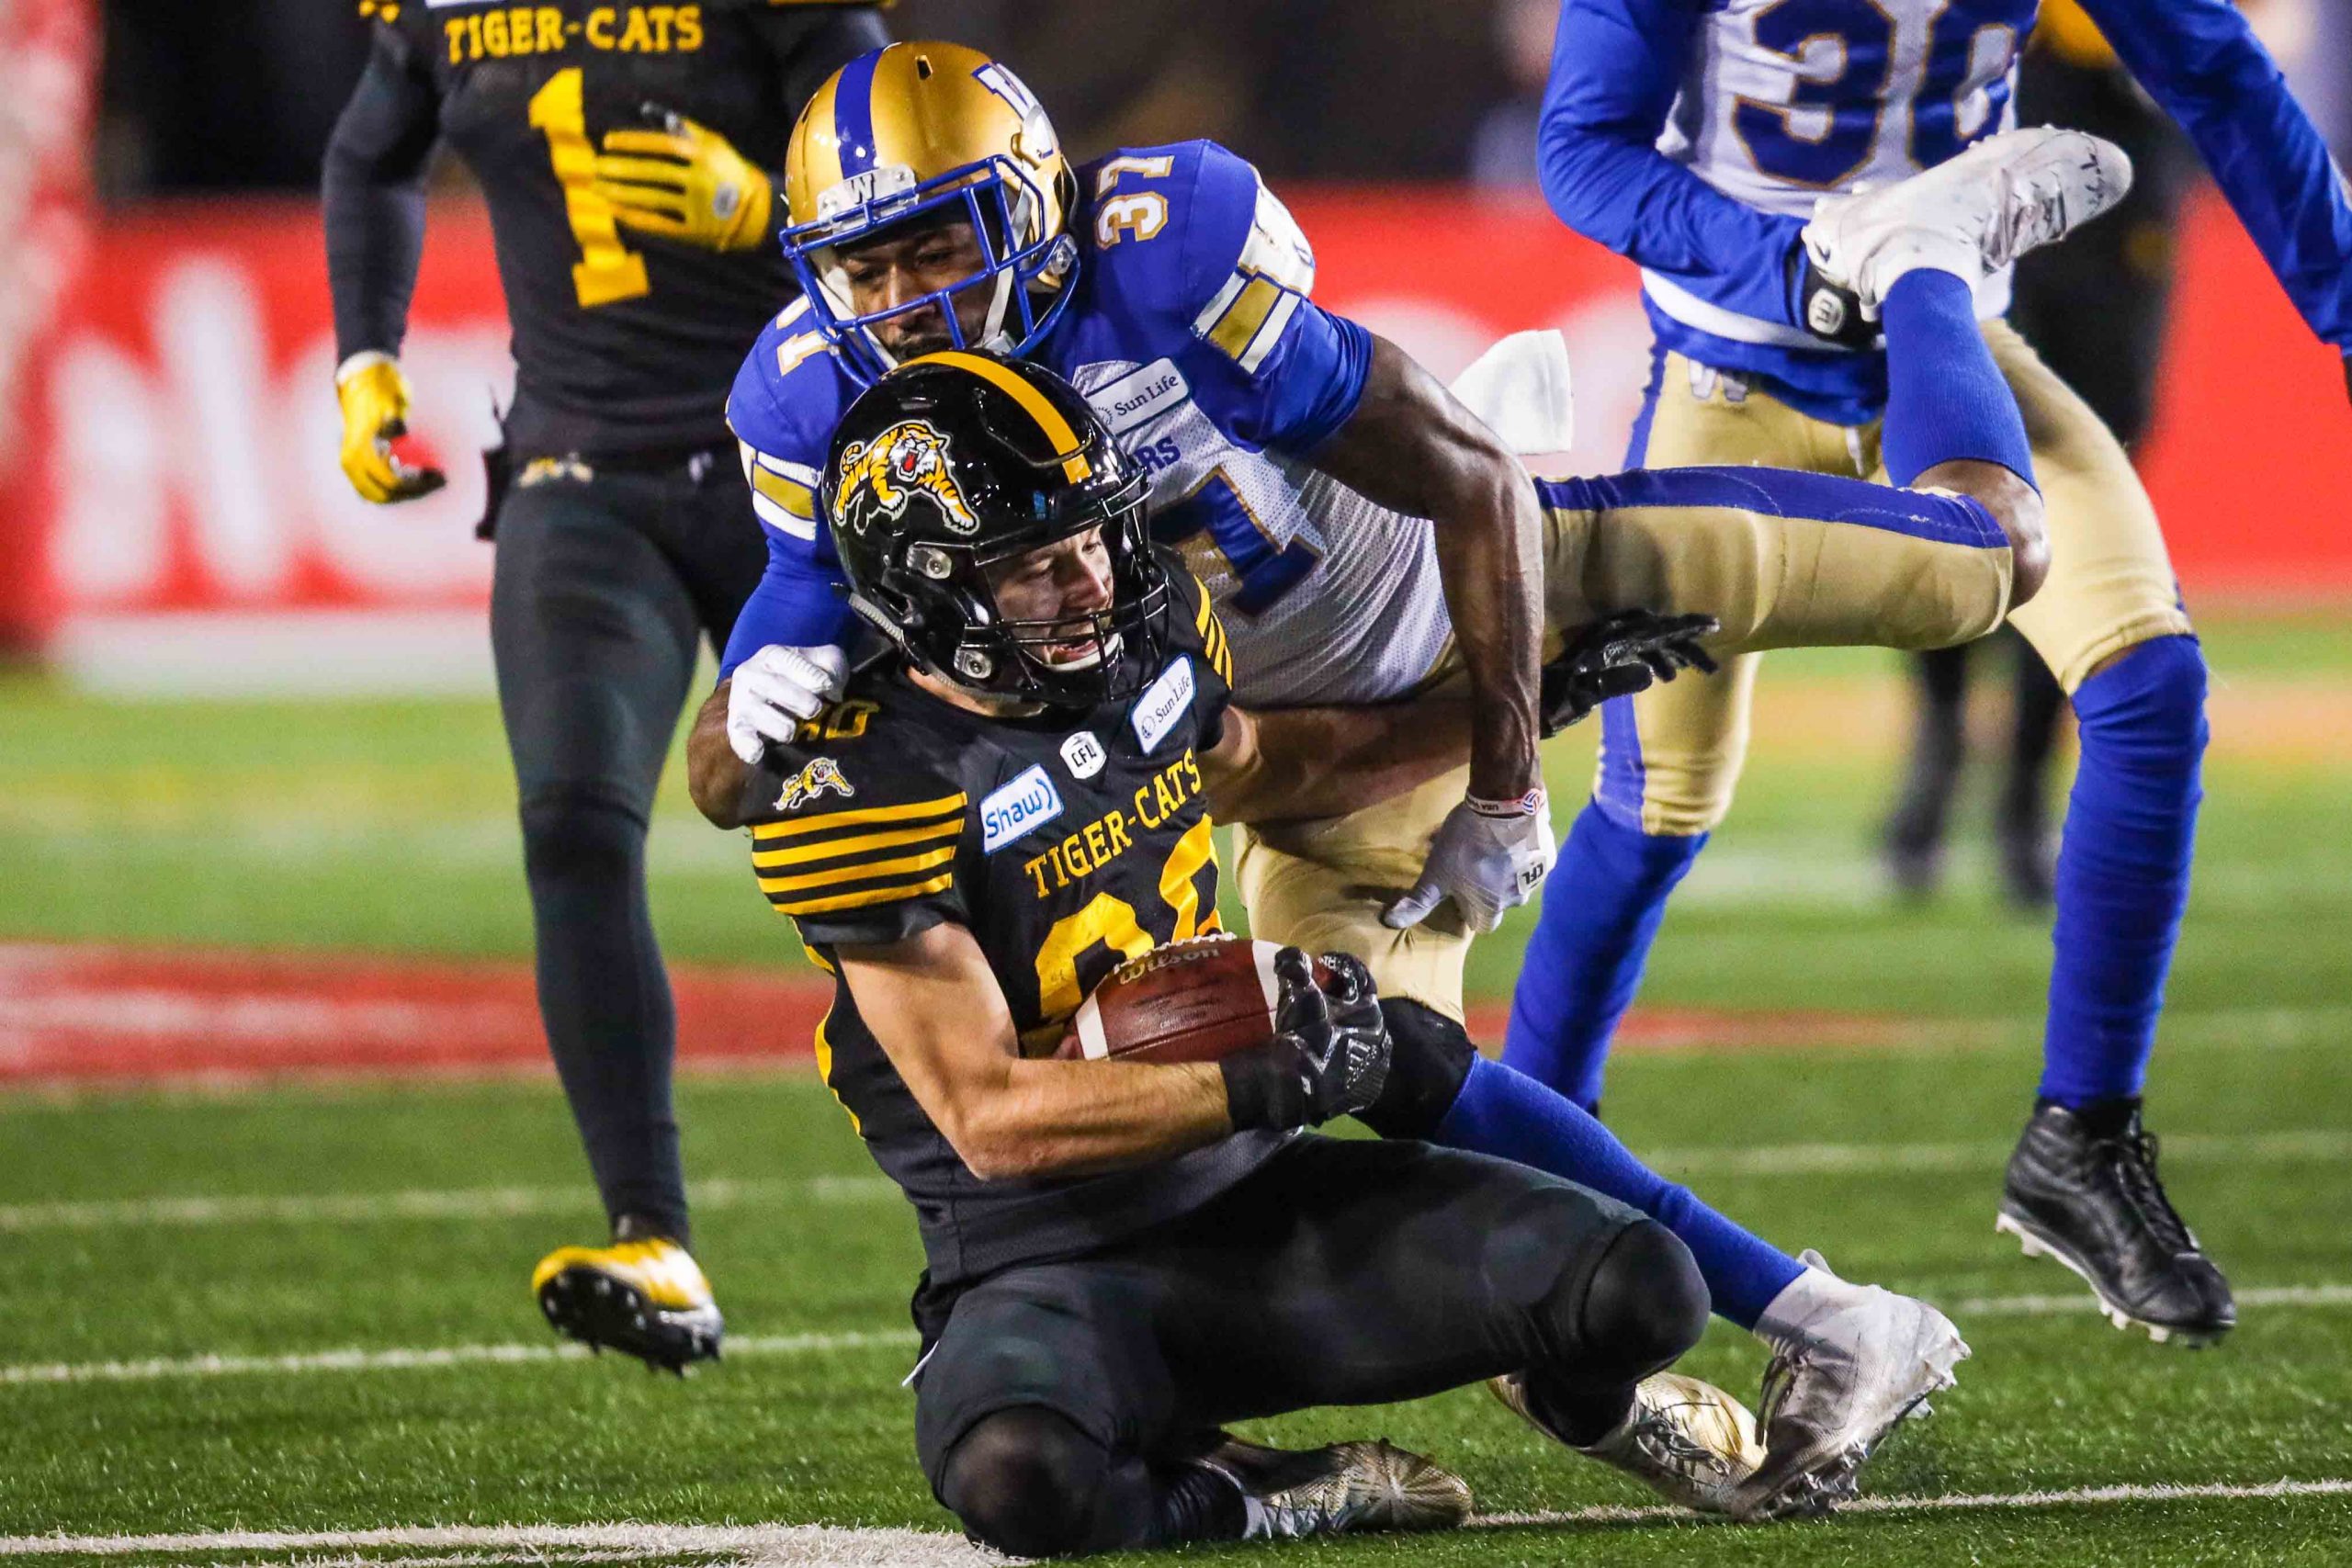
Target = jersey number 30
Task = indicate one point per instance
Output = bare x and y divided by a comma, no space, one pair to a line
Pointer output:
1845,56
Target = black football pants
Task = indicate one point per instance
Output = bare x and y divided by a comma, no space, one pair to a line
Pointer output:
605,579
1057,1405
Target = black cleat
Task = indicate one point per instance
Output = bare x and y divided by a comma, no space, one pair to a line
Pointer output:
645,1298
2093,1204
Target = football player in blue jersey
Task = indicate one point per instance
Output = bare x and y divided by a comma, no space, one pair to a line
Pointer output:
1697,137
1353,524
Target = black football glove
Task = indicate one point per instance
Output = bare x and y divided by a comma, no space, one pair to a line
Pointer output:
1618,656
1830,312
1328,1057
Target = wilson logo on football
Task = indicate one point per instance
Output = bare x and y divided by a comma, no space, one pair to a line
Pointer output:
812,782
879,478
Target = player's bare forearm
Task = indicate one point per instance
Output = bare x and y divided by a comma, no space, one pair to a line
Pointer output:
2015,505
941,1017
1285,765
715,775
1411,447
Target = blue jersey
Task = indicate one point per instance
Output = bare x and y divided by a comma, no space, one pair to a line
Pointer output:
1192,333
1694,136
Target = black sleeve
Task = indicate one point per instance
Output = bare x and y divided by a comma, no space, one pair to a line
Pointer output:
857,850
812,43
373,192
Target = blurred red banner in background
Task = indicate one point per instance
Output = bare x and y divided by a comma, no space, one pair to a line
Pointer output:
182,426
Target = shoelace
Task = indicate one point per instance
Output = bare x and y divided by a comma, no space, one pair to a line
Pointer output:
2132,1156
1667,1444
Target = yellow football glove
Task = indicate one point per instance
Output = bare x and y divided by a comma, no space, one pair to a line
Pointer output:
374,396
684,182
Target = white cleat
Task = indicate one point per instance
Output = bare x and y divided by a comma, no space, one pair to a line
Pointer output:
1850,1362
1687,1441
1971,214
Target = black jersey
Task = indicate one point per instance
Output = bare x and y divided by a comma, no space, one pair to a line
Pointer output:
1065,844
623,341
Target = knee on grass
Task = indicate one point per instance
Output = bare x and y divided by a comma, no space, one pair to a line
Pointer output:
1024,1482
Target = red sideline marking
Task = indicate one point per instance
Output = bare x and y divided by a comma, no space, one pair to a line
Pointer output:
1695,1028
101,1014
108,1014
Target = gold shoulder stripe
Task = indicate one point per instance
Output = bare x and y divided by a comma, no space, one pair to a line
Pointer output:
865,870
1206,613
788,493
866,899
835,849
1032,403
769,832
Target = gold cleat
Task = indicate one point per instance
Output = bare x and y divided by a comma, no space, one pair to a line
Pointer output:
1346,1489
646,1298
1687,1441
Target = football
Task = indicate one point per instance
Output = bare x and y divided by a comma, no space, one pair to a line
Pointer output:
1189,1002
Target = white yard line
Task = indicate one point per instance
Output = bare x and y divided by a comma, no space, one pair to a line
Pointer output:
773,1546
414,1358
2320,1297
348,1208
2082,1301
2074,1497
499,1202
776,1545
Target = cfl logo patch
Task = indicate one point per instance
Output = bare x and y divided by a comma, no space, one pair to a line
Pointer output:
812,782
1826,313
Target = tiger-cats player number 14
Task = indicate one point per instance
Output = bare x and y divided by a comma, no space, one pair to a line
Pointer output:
1123,1255
622,149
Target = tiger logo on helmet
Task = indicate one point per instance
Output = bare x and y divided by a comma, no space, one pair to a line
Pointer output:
879,477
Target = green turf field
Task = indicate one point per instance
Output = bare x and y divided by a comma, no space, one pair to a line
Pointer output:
302,1309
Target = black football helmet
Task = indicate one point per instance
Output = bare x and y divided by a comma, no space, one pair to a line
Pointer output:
958,461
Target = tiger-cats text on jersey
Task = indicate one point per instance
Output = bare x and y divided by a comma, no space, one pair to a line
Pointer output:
623,341
1065,843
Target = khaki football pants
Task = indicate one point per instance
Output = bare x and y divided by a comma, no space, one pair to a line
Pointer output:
1782,560
2110,585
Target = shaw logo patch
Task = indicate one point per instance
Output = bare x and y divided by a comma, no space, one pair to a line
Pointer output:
1140,396
812,780
879,477
1084,754
1029,801
1163,702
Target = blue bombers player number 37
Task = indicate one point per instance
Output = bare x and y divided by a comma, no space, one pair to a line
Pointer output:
1365,537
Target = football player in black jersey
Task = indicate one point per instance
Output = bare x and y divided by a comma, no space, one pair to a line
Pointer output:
622,148
1122,1257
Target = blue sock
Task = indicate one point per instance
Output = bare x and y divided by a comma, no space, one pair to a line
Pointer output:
1510,1116
2123,868
1945,398
1601,908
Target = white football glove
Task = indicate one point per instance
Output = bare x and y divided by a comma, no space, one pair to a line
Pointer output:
1522,390
1490,856
774,690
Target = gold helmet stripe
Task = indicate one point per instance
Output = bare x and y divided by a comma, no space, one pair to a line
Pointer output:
1067,445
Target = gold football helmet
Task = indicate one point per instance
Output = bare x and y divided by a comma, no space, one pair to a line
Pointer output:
937,132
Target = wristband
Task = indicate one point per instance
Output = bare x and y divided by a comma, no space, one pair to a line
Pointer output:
1263,1089
1528,805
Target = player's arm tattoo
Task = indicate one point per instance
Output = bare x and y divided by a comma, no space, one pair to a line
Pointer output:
933,1003
1285,765
1411,447
715,775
